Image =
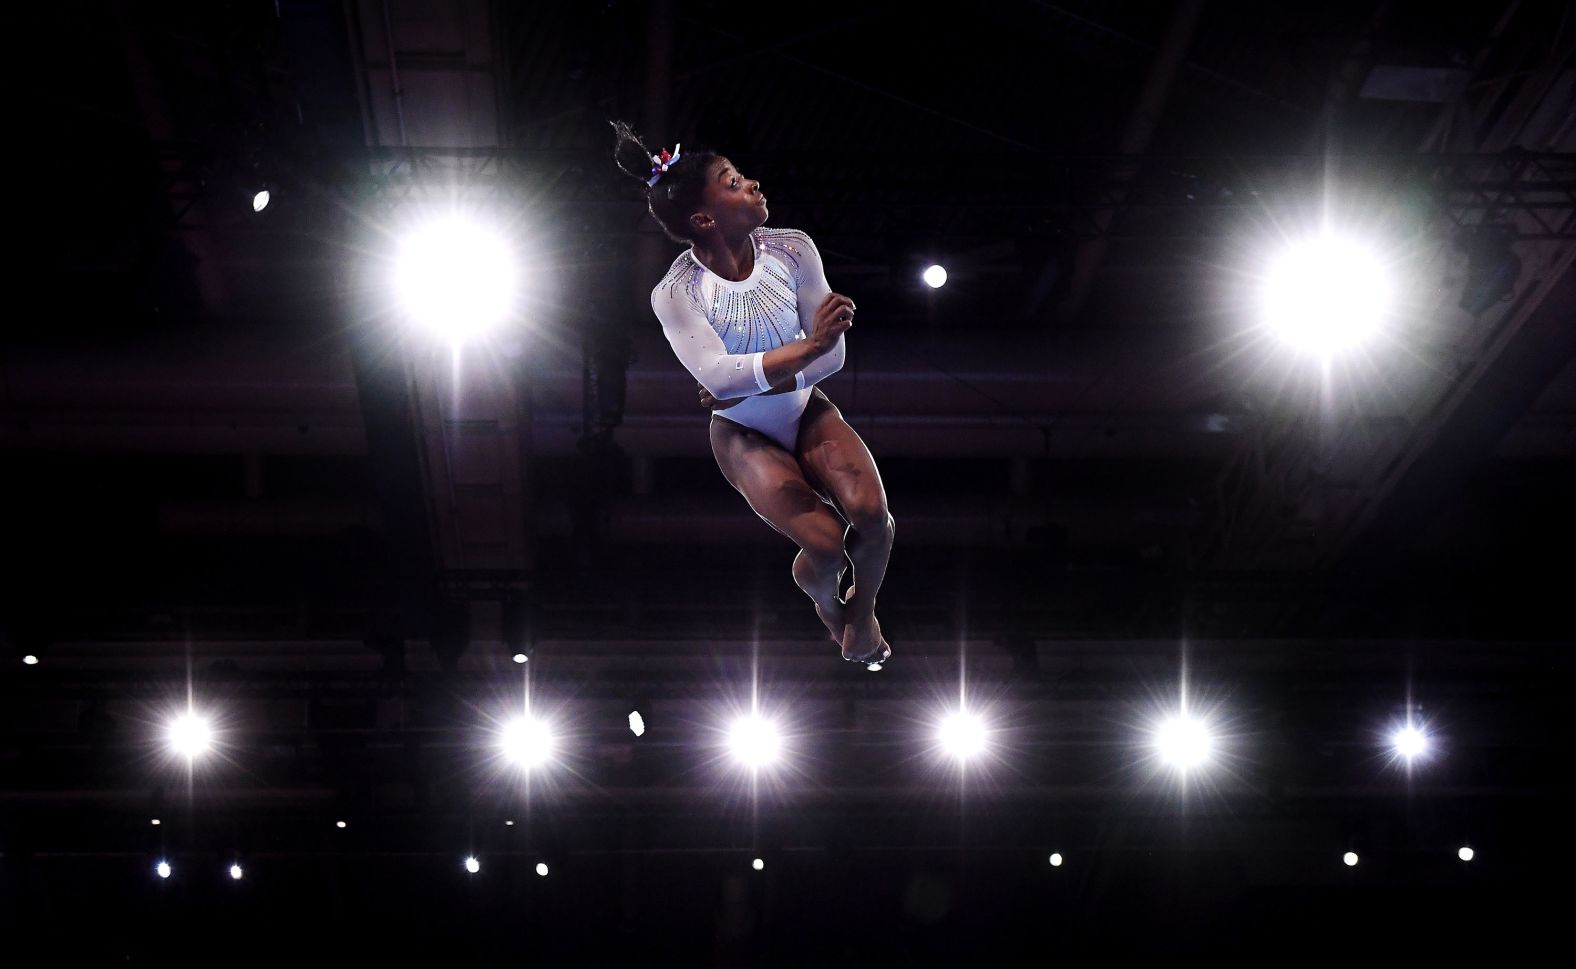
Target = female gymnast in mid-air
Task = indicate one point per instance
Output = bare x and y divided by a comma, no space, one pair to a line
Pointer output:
749,312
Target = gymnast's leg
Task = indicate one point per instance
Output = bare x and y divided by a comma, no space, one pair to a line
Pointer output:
772,482
834,456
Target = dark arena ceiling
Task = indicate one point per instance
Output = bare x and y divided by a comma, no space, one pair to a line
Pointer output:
235,480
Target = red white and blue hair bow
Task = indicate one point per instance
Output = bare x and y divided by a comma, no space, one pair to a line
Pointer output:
660,164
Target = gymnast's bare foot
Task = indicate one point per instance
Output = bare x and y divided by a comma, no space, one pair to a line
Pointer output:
863,642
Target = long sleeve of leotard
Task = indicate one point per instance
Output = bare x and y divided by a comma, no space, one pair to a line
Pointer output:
724,375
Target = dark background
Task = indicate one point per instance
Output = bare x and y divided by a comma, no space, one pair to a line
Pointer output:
226,472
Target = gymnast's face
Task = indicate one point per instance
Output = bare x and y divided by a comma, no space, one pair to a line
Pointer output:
733,204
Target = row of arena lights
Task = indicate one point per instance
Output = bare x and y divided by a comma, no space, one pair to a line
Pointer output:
755,741
1323,294
1183,742
458,278
473,864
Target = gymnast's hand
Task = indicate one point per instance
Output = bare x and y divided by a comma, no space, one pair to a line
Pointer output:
832,317
713,404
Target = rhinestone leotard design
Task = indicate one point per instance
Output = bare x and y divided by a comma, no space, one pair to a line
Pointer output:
720,329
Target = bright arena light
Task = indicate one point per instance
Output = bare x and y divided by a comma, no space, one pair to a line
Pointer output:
456,278
472,865
1410,742
962,735
520,657
235,872
1350,858
190,735
541,869
935,277
1056,861
754,741
1466,854
339,824
156,822
528,742
1184,742
163,869
1326,295
637,723
758,864
260,201
30,659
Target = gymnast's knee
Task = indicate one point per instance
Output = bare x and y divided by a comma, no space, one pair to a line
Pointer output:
872,519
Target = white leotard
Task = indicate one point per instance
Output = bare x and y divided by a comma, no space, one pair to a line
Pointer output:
720,329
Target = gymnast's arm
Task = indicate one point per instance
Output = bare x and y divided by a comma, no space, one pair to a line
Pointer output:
727,375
